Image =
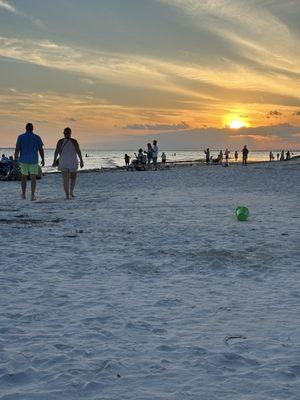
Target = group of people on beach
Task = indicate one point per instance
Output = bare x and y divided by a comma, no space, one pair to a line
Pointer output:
8,168
282,156
220,158
67,158
145,157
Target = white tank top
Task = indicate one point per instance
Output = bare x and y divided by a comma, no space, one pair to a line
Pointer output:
68,157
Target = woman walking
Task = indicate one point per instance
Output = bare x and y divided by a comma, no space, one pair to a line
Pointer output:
68,149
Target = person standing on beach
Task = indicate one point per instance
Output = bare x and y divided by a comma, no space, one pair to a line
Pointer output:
221,156
149,153
236,155
154,153
207,155
271,156
163,158
226,153
127,161
245,152
68,150
29,146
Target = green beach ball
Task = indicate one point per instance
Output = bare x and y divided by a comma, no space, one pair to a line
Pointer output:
242,213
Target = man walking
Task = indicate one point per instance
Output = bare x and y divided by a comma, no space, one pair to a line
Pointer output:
28,146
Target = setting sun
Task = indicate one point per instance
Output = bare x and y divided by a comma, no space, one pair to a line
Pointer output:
236,124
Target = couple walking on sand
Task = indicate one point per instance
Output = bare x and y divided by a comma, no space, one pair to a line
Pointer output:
28,148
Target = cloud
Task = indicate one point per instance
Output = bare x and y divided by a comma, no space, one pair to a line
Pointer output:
87,81
9,7
274,114
196,82
262,137
70,119
157,127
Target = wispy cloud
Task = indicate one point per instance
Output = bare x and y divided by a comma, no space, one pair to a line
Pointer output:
8,7
255,28
5,5
146,72
256,138
157,127
274,114
231,59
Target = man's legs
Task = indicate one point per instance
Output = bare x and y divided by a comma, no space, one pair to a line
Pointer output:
155,162
33,186
73,176
23,185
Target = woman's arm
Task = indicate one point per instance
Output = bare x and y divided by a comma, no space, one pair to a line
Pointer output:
58,147
78,152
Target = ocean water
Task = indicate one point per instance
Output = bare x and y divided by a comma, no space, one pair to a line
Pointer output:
115,158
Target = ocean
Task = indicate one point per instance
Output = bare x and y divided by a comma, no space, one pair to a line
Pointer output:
115,158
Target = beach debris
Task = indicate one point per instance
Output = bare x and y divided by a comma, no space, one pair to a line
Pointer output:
242,213
57,220
229,338
21,221
73,234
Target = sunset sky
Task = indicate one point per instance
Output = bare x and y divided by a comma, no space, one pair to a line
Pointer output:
120,71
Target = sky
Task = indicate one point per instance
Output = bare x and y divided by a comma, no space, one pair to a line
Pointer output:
119,72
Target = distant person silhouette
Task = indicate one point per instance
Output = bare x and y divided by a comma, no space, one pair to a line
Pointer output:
245,152
227,152
207,155
236,155
154,153
149,153
127,160
221,157
282,155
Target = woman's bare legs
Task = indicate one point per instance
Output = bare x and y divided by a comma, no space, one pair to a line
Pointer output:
66,181
73,176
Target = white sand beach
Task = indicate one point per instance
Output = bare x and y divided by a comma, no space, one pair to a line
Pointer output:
146,286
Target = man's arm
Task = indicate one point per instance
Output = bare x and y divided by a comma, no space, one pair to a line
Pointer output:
17,151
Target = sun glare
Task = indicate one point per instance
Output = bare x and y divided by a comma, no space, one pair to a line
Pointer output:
236,124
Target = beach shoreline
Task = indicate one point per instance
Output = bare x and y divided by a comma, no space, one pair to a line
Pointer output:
174,164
